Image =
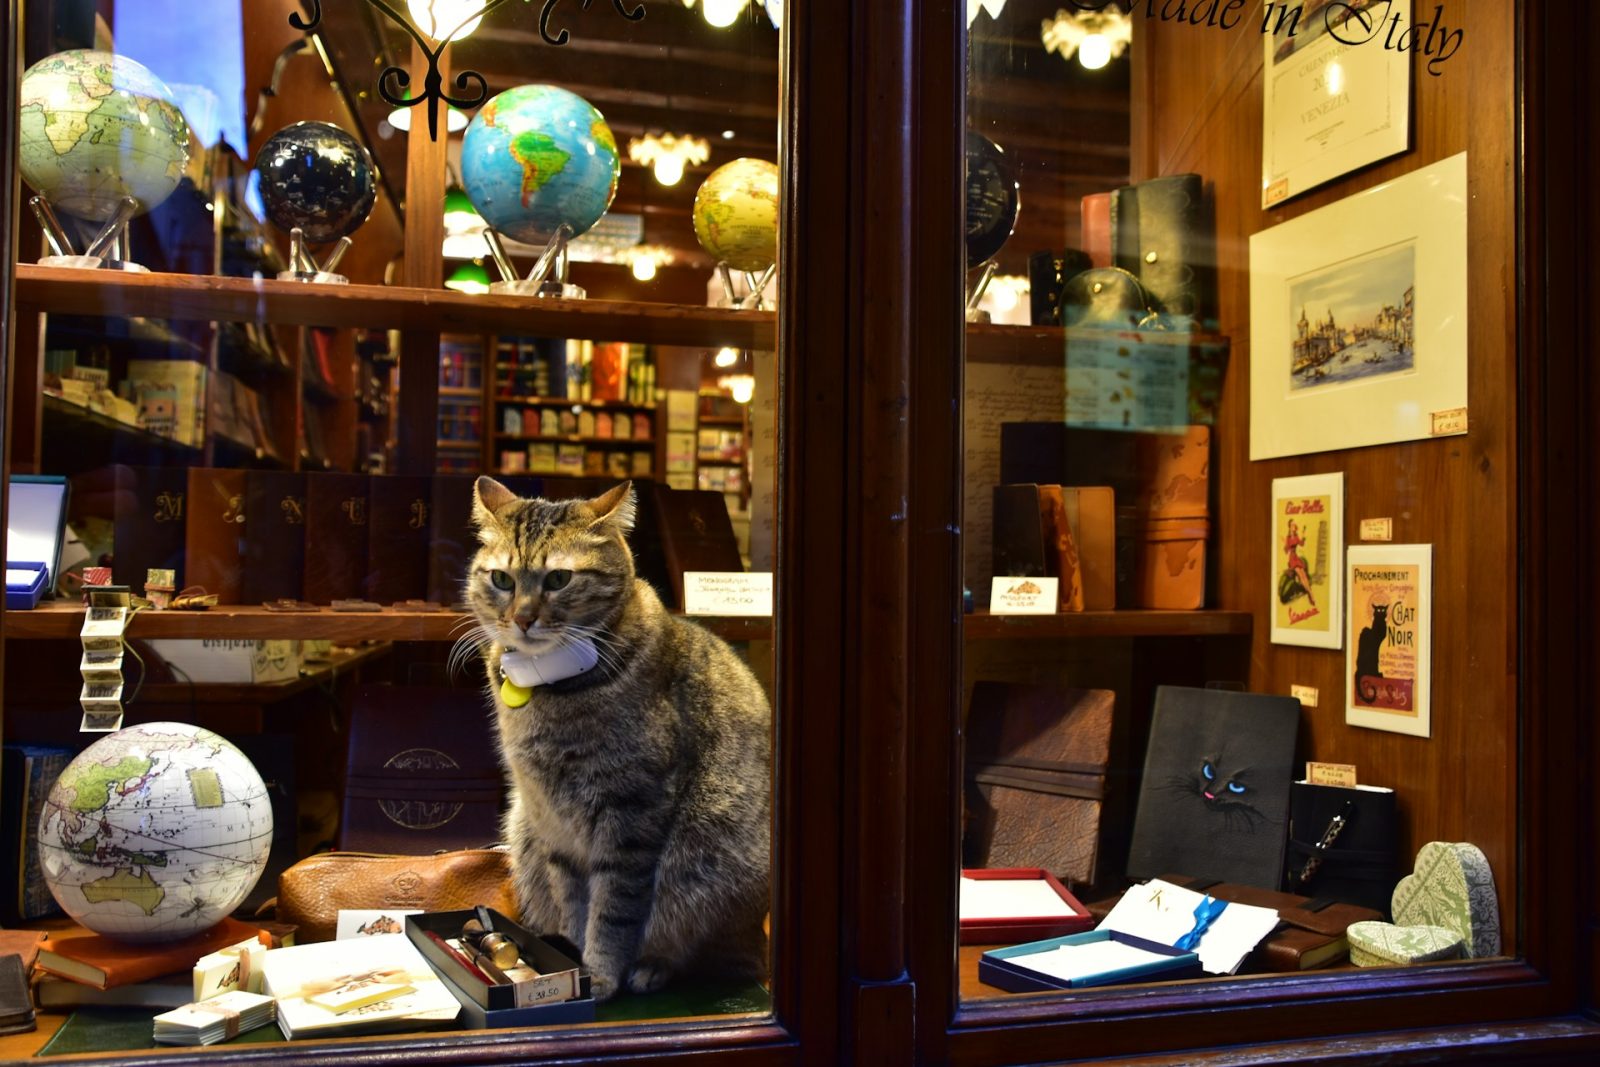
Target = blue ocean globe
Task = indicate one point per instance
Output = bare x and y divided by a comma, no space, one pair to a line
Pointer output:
536,157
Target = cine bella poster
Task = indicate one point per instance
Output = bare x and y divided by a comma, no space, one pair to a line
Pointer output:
1307,551
1390,636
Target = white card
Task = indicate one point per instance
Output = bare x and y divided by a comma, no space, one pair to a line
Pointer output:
727,593
1164,913
1074,962
358,922
1011,898
1023,596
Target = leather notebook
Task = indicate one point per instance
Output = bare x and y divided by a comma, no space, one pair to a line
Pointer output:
399,526
1361,865
1160,234
274,535
215,533
1061,549
423,772
1095,228
1036,777
1091,514
336,531
16,1005
1019,546
150,506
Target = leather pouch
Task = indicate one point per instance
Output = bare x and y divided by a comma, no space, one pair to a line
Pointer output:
312,892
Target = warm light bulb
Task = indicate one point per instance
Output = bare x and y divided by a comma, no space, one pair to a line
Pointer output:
1005,299
644,268
435,17
722,13
669,168
1094,51
742,386
726,357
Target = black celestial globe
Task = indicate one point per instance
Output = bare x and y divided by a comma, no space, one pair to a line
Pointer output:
317,177
993,200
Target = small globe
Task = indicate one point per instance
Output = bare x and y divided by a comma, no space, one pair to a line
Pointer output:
993,201
96,128
319,178
155,832
536,157
736,214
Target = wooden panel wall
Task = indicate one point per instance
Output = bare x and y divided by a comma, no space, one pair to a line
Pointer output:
1198,107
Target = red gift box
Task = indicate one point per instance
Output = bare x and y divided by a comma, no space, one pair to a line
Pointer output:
1012,929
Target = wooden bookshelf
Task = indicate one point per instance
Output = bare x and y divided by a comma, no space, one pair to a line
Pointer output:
576,439
982,626
249,621
207,298
1046,345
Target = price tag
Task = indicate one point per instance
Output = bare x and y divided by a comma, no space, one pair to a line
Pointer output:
1377,529
727,593
1331,774
1450,421
1305,694
1023,596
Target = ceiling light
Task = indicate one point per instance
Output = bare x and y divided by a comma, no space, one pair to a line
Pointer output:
400,119
645,260
469,278
668,154
726,357
438,17
724,13
1006,291
727,135
993,7
742,386
1097,37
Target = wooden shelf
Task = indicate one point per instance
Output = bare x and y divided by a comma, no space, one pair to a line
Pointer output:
988,343
208,298
460,391
343,661
98,438
238,621
718,461
575,439
722,420
982,626
474,445
563,401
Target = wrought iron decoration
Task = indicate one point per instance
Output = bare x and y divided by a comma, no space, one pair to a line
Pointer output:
433,92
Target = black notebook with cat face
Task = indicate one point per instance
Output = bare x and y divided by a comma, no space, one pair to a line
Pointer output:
1214,802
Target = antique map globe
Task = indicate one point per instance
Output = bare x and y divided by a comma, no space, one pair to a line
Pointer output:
155,832
537,156
736,214
97,127
317,177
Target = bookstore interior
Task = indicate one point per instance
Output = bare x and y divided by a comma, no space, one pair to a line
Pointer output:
502,573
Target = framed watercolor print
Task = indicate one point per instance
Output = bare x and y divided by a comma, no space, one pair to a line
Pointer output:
1335,98
1391,635
1307,557
1358,319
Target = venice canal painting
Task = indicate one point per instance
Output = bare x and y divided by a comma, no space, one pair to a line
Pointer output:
1354,320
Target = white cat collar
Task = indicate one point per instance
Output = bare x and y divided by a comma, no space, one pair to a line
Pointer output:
568,660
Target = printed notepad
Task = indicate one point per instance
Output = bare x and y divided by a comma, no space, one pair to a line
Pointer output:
1011,898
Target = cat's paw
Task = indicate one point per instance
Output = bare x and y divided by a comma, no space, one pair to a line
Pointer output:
648,976
603,987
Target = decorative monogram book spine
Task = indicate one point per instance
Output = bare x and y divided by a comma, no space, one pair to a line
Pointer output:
399,526
214,532
336,537
275,535
151,505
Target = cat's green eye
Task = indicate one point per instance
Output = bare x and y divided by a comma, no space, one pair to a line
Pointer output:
502,581
554,580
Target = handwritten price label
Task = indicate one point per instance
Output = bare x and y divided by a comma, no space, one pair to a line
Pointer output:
727,593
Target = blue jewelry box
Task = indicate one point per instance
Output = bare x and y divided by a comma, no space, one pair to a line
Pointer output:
36,520
25,584
1005,968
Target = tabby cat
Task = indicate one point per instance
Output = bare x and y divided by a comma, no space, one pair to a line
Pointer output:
639,813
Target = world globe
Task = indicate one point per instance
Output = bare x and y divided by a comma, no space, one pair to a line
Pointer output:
993,199
96,128
155,832
736,214
317,177
536,157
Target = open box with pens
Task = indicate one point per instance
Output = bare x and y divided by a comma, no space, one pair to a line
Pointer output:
547,985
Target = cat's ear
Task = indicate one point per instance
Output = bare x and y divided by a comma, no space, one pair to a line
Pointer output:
488,497
615,508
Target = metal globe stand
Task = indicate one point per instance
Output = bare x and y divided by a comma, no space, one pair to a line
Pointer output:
973,299
756,284
547,280
303,266
108,250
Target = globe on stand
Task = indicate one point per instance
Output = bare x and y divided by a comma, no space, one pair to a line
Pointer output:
319,184
736,220
155,832
540,165
993,204
100,139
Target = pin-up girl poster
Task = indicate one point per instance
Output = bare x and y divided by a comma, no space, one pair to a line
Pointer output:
1306,553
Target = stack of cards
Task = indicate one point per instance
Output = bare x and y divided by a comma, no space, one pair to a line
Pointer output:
101,667
237,967
217,1019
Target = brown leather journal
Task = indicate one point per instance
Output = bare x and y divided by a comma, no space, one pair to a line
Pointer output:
1092,515
336,536
312,892
1061,551
399,525
214,537
1036,777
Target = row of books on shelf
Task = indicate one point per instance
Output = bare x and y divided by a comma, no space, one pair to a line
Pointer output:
721,445
460,419
546,458
253,536
721,479
587,371
460,364
550,422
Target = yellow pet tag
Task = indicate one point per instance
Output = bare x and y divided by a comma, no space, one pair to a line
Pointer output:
514,695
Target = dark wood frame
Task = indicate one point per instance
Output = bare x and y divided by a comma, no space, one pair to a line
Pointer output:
868,748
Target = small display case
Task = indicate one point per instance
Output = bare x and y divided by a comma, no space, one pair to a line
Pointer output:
1125,958
36,520
25,584
1004,905
560,993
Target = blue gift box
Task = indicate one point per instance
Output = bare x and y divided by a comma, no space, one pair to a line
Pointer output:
1004,969
25,584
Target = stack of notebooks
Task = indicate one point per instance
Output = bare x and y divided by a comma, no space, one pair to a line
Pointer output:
218,1019
79,969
